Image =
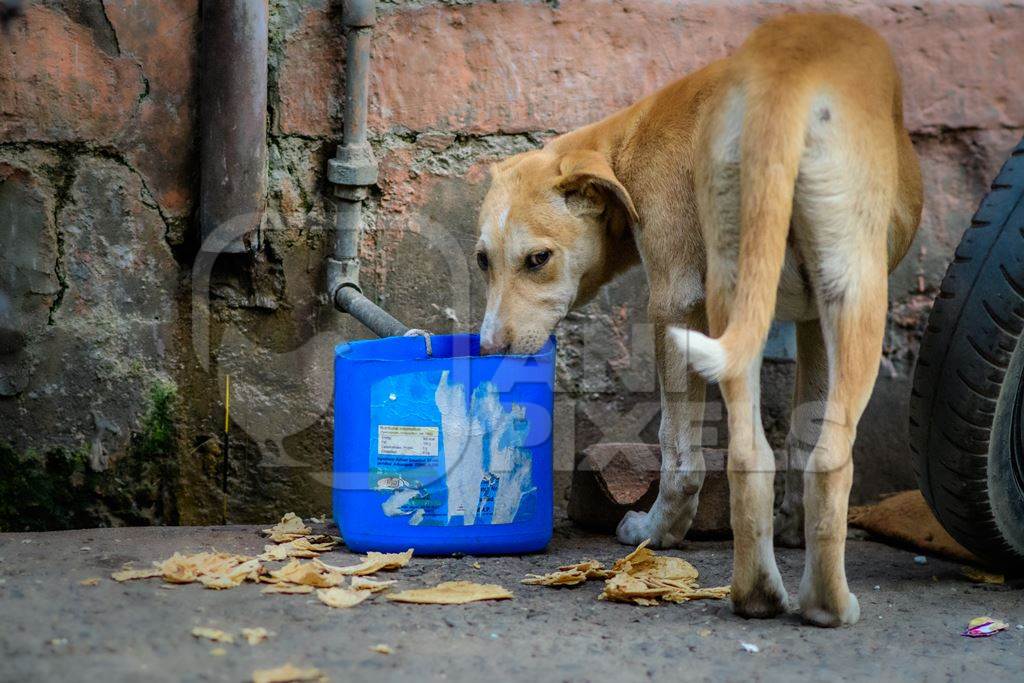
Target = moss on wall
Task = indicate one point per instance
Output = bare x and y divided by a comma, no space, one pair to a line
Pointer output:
58,489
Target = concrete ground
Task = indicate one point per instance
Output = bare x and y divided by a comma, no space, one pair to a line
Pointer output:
53,628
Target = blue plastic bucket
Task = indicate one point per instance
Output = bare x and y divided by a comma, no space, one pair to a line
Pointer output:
447,452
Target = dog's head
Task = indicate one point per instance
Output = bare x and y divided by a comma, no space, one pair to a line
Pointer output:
554,227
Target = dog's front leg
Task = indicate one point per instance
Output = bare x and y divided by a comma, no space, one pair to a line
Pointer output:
682,462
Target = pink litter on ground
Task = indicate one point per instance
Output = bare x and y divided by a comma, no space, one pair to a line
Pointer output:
983,627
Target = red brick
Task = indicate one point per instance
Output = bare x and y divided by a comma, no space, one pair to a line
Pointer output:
56,84
527,66
162,38
611,479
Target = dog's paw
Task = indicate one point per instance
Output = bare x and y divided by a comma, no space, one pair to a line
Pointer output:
789,528
763,599
832,611
637,527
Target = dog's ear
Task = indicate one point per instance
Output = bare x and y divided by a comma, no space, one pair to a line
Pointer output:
589,183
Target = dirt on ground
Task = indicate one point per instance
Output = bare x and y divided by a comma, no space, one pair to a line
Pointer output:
54,628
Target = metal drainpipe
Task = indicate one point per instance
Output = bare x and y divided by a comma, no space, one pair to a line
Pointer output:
233,124
353,170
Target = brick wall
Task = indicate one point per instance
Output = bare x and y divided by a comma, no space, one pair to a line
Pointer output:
97,170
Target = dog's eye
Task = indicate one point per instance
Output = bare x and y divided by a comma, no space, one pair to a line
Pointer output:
538,259
481,260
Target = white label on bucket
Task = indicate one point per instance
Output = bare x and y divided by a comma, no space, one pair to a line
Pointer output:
402,440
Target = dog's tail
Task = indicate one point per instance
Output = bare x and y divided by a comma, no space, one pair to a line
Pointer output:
771,145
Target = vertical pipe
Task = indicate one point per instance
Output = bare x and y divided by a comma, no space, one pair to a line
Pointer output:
357,69
233,123
353,170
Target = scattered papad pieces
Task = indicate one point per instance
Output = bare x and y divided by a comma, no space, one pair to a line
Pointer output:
304,546
288,529
215,570
342,597
452,593
382,648
256,635
214,634
91,581
293,543
289,673
641,577
373,563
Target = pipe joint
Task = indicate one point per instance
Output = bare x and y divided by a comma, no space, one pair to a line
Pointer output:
359,13
353,165
342,272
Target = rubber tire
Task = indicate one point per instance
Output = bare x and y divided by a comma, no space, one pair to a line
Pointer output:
967,402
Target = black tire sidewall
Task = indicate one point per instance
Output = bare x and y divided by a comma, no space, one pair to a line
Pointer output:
1004,493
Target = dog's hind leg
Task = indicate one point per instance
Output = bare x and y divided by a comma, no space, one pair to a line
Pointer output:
804,427
853,324
845,202
682,462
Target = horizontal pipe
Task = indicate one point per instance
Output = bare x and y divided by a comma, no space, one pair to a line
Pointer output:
380,322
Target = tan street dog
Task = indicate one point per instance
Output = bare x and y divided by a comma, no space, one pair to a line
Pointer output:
779,182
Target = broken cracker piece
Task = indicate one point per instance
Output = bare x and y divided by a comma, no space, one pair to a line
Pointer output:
214,634
571,577
234,576
287,589
231,569
361,583
452,593
639,555
304,546
179,568
373,563
255,636
570,574
686,595
275,553
289,673
382,648
625,588
218,582
289,524
91,581
342,597
592,568
129,574
642,577
979,576
313,573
